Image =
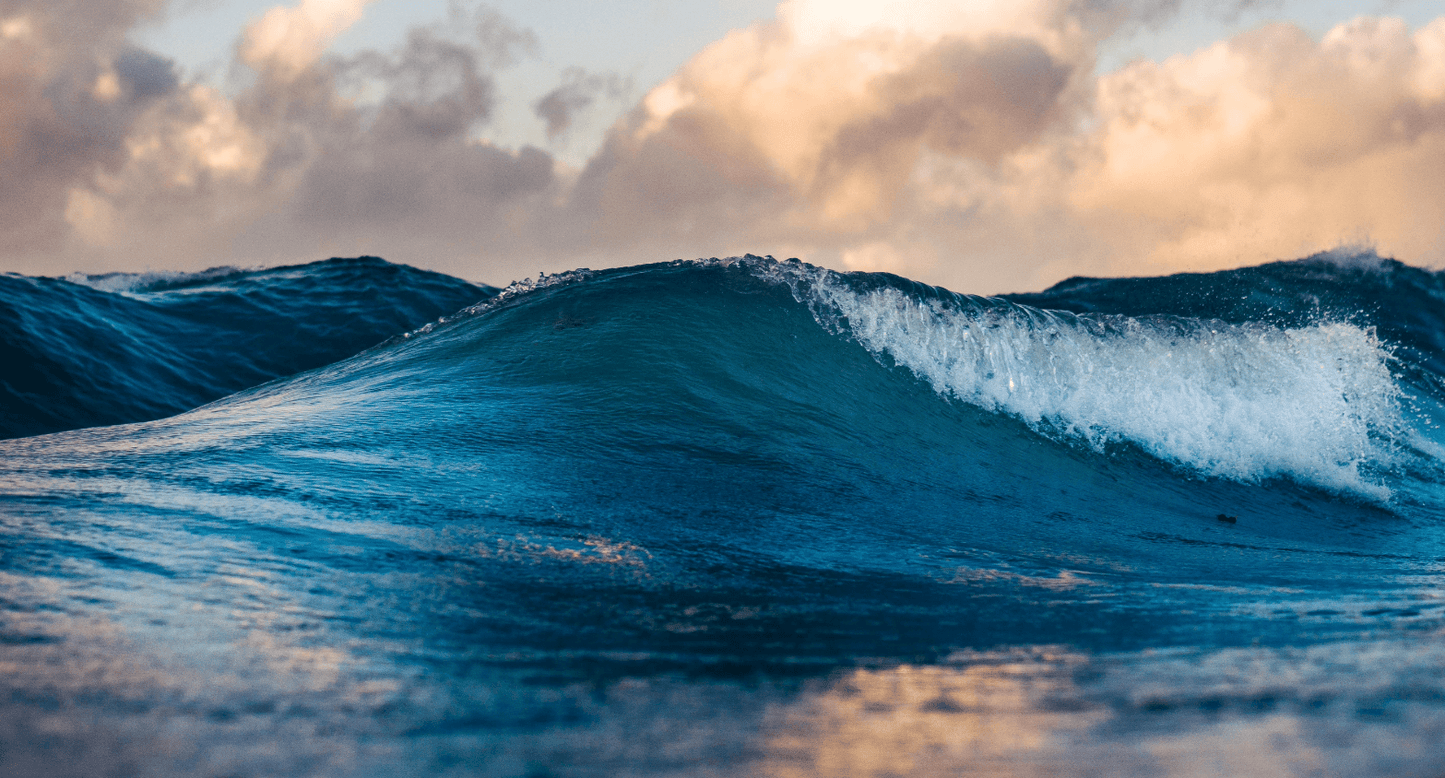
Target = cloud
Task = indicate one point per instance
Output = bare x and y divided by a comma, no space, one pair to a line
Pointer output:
809,132
578,91
410,166
314,155
502,42
406,176
973,145
968,144
288,40
1271,144
71,89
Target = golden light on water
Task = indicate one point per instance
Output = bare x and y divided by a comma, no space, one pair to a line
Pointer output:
993,719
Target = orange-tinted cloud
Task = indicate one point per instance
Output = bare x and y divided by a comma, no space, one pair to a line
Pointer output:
968,144
987,155
288,40
1272,145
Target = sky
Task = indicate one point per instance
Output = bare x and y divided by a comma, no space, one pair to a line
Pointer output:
987,146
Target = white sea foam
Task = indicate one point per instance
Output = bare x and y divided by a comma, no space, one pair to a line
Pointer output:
504,297
1316,403
128,283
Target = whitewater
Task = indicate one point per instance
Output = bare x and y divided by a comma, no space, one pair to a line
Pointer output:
722,517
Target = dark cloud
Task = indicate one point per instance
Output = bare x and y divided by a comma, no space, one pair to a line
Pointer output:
700,182
435,88
578,91
414,160
71,91
974,100
383,153
146,75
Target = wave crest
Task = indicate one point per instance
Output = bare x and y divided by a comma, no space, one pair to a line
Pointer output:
1316,403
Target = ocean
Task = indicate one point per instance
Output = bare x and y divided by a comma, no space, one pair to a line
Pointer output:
737,517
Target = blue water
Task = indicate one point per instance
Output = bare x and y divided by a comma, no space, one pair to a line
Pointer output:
89,351
737,517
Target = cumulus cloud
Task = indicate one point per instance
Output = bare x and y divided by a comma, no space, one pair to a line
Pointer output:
70,91
808,132
973,145
969,144
1272,144
408,171
315,155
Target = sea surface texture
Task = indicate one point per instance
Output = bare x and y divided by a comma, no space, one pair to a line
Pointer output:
725,518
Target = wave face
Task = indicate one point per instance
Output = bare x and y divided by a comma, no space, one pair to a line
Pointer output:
108,349
744,517
1317,403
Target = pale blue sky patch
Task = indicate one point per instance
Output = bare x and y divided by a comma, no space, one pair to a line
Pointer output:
1201,25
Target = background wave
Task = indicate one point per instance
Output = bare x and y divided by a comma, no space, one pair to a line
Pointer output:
114,348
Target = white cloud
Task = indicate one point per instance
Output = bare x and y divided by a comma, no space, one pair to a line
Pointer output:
288,40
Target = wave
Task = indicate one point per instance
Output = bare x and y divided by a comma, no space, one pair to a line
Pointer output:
1311,393
115,348
1405,304
1250,401
758,495
700,424
1325,371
